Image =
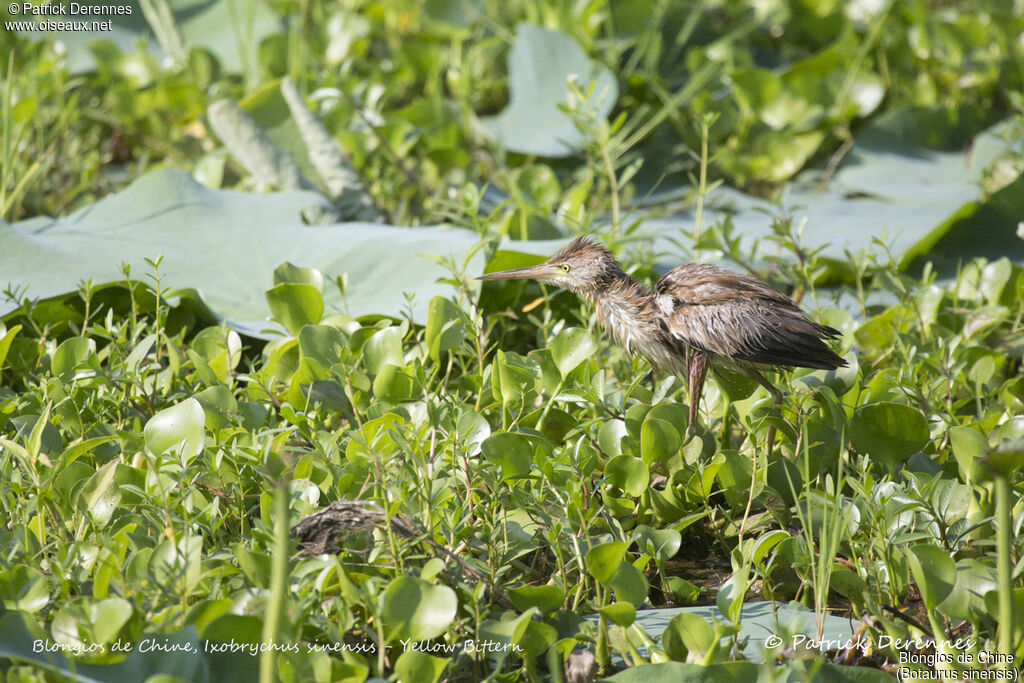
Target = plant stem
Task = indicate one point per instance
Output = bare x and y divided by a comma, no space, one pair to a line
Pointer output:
278,586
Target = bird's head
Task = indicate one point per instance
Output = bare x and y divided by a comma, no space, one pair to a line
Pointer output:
583,266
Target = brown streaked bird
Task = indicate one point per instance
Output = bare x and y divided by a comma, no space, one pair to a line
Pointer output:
698,316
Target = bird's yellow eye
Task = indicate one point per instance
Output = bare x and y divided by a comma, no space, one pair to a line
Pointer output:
566,268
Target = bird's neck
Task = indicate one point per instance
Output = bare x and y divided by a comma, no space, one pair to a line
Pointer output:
619,299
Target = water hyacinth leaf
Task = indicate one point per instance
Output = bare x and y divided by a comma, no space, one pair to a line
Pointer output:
547,599
100,495
108,616
628,474
730,597
416,609
219,404
682,591
571,347
513,452
323,345
974,578
888,432
688,632
445,328
661,544
290,273
539,65
419,667
603,560
969,448
619,613
69,355
384,347
934,572
395,384
629,584
294,305
24,588
659,440
5,344
179,427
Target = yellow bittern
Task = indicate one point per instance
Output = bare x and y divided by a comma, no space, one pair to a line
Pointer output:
698,316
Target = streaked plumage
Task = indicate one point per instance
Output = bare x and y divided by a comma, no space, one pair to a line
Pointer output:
698,316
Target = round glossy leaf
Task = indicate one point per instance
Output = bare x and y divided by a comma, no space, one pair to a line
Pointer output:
513,452
382,348
294,305
445,329
416,609
180,426
545,598
69,355
661,544
974,578
291,273
628,474
629,584
682,591
571,347
888,433
604,560
934,571
619,613
323,344
419,667
394,384
969,447
659,440
688,632
610,436
107,617
219,404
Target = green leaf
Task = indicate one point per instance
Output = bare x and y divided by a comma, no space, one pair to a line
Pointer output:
628,474
688,632
513,452
934,571
629,584
69,355
539,65
419,667
294,305
5,344
547,599
108,616
888,432
603,560
659,440
619,613
291,273
384,347
417,610
178,427
969,448
571,347
445,328
661,544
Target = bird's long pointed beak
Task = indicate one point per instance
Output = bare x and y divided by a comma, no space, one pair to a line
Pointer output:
542,272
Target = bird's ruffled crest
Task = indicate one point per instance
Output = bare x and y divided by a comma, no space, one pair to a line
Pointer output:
582,246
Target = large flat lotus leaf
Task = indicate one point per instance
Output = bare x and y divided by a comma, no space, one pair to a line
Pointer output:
759,621
540,62
226,244
230,29
884,187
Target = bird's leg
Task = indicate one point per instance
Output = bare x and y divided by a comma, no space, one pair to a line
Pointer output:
698,370
755,375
